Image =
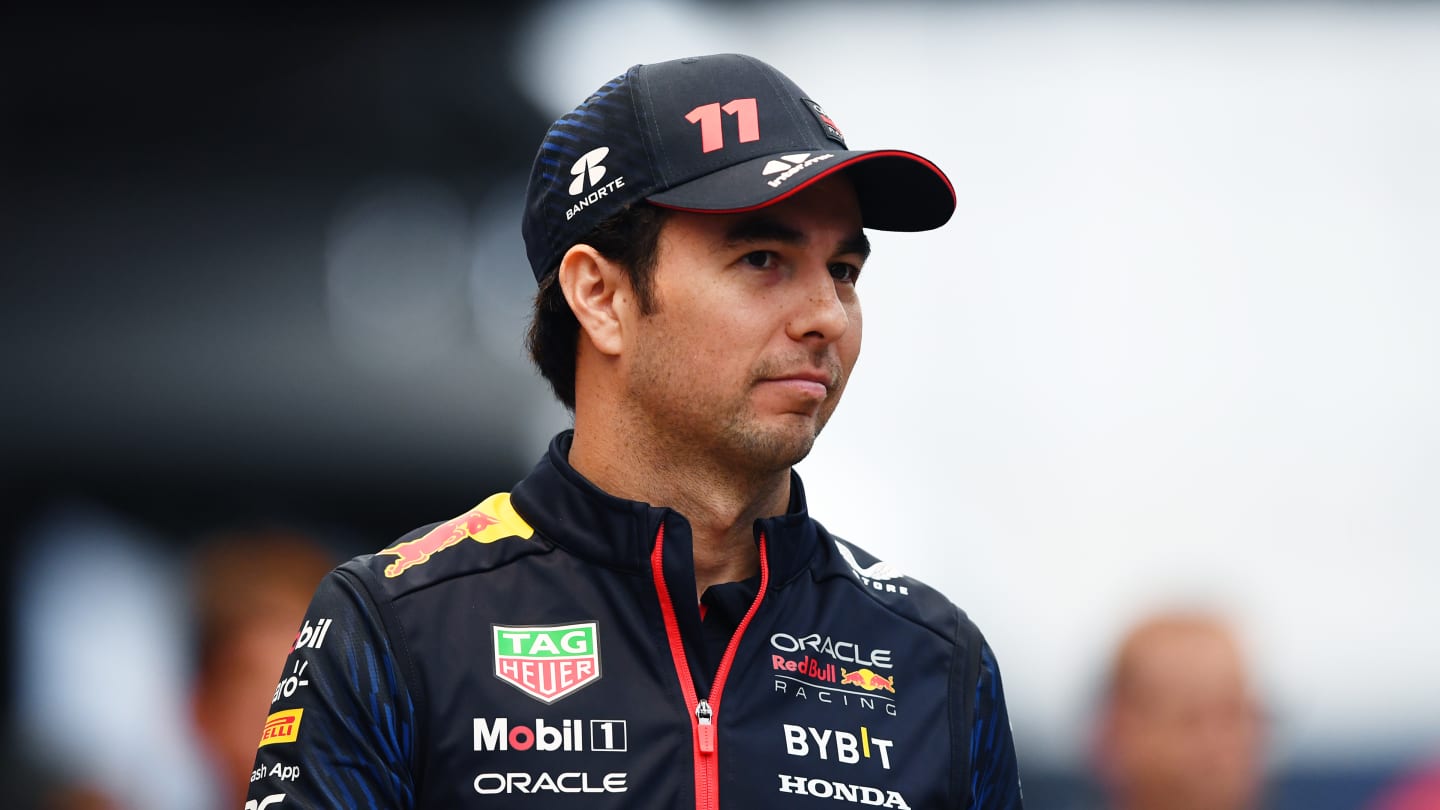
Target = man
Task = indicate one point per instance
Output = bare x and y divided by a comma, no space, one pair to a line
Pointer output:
249,589
651,619
1180,728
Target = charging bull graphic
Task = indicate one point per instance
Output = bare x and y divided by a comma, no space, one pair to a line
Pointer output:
868,680
494,519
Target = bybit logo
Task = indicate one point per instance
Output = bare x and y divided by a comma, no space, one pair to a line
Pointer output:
588,167
844,746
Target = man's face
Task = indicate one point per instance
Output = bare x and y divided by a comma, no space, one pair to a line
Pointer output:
1186,734
755,330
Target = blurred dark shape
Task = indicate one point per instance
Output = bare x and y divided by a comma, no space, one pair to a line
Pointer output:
1180,727
166,189
30,780
166,185
1417,791
79,797
250,594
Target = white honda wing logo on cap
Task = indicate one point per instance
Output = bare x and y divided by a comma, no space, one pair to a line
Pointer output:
790,165
777,166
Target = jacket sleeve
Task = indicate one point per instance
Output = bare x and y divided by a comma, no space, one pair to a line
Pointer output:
994,774
341,729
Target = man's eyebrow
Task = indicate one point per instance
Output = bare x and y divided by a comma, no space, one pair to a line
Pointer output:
762,229
766,229
859,243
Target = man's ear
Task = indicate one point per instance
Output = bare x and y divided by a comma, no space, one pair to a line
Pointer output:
598,291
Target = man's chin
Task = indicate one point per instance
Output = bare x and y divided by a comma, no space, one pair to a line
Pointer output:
778,447
799,452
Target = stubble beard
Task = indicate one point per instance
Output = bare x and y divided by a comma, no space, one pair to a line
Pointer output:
773,447
734,436
769,450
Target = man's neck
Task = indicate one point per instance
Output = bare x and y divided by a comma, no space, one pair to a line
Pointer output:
720,504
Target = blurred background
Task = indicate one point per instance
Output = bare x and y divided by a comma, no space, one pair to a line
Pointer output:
263,289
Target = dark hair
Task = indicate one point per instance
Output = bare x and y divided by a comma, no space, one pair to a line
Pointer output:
630,238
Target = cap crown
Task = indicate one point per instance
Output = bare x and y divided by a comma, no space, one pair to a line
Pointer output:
656,127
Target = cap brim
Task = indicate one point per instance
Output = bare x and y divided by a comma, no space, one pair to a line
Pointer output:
898,191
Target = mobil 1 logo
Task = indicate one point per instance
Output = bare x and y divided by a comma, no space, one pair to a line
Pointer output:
499,734
312,636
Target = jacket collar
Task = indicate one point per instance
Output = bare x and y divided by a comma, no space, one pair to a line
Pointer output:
568,509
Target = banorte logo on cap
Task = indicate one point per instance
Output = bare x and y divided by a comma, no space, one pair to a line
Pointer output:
590,167
589,170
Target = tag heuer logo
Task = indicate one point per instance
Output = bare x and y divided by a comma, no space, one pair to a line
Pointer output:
548,662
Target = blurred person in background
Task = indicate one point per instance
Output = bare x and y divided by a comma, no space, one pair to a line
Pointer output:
1180,727
1414,791
250,590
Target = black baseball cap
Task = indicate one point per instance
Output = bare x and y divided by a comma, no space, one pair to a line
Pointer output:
717,134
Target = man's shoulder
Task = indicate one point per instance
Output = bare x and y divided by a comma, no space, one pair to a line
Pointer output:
488,536
893,588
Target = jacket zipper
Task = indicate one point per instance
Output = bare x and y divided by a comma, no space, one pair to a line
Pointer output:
704,712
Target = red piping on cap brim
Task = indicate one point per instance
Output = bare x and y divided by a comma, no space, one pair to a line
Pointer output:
824,173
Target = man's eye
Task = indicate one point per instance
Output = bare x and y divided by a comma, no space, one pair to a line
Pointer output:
840,271
760,259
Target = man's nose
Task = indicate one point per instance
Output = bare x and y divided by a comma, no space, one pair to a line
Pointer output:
819,314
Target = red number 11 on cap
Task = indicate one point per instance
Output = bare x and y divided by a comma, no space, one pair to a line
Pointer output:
708,117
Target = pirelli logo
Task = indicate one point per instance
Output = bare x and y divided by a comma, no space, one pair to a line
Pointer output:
281,727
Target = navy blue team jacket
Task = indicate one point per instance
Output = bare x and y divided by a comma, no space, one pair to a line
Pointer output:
545,650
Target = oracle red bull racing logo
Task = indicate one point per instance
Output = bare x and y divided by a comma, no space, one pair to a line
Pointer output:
494,519
549,662
817,667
